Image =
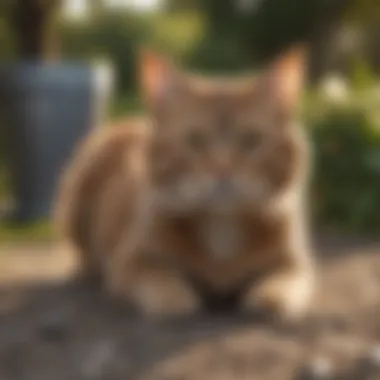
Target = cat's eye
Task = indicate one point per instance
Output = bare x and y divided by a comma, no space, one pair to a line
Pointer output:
196,140
250,140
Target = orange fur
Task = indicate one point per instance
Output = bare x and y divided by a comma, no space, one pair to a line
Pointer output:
203,198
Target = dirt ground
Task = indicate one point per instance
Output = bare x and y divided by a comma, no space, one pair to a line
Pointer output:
54,328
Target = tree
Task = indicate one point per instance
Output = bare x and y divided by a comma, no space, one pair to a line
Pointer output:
278,24
32,23
6,37
260,33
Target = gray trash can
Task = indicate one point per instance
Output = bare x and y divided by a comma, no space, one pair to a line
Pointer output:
46,110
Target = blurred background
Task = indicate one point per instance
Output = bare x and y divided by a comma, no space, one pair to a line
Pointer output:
341,103
69,66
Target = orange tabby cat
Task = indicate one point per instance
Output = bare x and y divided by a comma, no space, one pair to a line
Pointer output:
202,202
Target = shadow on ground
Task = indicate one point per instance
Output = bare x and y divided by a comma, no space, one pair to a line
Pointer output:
63,330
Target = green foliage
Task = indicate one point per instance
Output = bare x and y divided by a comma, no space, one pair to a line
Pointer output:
172,6
362,76
237,38
346,184
222,54
118,36
177,33
364,11
115,36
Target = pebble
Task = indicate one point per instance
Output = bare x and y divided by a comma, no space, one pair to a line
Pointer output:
319,369
53,327
95,364
374,356
369,364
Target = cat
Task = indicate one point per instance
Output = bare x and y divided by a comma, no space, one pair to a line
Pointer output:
203,199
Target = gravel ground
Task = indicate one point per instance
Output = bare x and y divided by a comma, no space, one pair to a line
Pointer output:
54,328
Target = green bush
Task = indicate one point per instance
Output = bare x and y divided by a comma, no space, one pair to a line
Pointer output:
346,180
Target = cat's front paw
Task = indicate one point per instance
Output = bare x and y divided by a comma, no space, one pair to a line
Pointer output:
282,296
162,298
115,281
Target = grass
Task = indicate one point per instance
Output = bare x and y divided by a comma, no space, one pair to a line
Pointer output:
37,232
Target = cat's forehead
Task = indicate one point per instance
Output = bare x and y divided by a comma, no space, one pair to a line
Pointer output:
224,99
219,88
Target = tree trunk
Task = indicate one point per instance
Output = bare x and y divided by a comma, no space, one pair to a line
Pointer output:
322,38
32,22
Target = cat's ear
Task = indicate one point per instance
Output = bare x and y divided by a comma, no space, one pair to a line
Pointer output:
285,78
158,77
